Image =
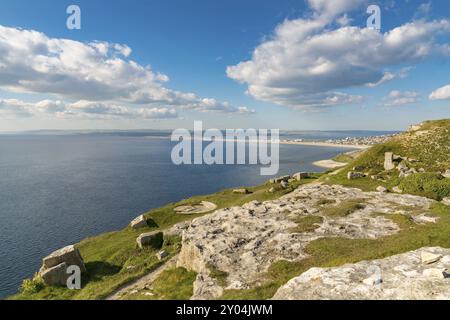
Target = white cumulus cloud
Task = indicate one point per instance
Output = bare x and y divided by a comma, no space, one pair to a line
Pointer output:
13,108
399,98
308,60
442,93
32,62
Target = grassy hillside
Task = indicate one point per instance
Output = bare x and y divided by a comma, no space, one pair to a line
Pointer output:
429,148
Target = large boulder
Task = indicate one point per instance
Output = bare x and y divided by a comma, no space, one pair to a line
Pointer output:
416,275
70,255
389,161
55,276
280,179
139,222
54,267
355,175
241,191
153,240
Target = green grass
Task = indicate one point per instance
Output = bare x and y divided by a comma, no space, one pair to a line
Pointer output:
332,252
112,260
172,284
306,224
220,276
344,158
344,208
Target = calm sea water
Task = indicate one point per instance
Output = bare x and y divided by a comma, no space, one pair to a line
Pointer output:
58,189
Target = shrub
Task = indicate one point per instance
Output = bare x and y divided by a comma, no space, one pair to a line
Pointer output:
431,185
32,286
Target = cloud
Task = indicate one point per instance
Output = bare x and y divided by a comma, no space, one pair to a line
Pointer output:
442,93
212,105
13,108
398,98
311,57
30,61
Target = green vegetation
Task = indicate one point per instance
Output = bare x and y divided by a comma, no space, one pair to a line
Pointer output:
344,158
430,149
306,224
344,208
219,275
172,284
323,202
32,286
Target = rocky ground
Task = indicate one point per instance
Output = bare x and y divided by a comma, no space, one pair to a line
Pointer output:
242,242
421,274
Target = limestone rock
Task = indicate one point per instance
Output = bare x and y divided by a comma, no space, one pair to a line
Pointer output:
54,266
446,174
177,229
403,278
446,201
284,184
139,222
434,273
245,241
429,258
55,276
202,207
423,219
301,175
382,189
70,255
388,161
397,190
150,239
206,288
402,167
280,179
355,175
241,191
162,255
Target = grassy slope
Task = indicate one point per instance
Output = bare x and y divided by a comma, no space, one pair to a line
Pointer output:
112,259
430,147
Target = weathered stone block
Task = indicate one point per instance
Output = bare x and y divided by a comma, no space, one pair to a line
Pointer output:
153,239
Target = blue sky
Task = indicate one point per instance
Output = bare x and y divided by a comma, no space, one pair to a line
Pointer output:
205,50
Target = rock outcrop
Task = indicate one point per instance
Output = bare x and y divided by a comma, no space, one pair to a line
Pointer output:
139,222
202,207
389,161
54,267
150,239
401,277
243,242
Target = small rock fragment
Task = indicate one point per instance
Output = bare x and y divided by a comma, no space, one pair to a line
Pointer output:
430,258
